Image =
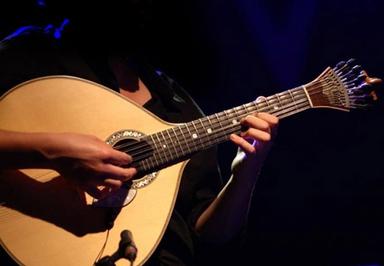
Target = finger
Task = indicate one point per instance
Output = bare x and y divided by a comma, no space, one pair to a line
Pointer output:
242,143
95,192
113,183
118,158
273,122
270,119
117,172
257,134
255,122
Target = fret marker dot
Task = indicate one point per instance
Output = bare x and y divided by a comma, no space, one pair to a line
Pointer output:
276,107
194,136
234,121
164,146
209,130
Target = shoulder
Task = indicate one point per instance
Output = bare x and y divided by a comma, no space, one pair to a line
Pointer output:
31,37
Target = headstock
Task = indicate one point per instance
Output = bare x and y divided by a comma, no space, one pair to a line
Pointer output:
344,87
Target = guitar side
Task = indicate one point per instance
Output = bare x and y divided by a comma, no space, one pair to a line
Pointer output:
45,219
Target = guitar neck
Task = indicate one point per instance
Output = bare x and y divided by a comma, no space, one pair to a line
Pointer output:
179,143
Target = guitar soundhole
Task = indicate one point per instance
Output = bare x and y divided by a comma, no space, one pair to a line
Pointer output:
130,141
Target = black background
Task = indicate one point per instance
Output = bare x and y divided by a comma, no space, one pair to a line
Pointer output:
319,200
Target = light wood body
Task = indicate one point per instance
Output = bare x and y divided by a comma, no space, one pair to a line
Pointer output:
43,219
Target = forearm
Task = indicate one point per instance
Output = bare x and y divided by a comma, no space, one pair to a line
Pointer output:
228,213
22,150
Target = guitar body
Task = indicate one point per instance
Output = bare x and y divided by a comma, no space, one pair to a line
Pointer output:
44,219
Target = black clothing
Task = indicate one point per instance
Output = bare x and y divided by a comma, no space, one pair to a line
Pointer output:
35,53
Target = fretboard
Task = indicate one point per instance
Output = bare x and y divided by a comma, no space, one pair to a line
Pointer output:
179,143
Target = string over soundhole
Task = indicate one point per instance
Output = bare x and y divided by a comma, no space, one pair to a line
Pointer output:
135,144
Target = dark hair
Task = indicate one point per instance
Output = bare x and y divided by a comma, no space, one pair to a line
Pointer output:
107,24
138,11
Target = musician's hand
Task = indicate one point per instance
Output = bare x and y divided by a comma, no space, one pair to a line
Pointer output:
89,162
254,143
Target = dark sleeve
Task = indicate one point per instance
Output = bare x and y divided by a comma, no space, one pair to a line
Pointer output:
200,185
201,180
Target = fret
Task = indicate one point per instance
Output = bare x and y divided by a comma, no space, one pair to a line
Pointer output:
249,108
207,131
236,110
307,95
293,98
178,141
213,129
267,101
293,110
173,144
156,149
245,109
218,120
228,118
278,99
143,164
165,147
256,106
234,117
285,97
185,139
298,92
196,136
276,106
160,149
191,138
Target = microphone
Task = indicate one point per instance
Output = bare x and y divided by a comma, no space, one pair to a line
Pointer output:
127,250
127,246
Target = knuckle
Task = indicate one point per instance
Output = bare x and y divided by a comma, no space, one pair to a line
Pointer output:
264,126
274,120
267,137
252,150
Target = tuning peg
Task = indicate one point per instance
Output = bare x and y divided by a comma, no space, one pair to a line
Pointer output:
357,69
351,61
340,65
364,87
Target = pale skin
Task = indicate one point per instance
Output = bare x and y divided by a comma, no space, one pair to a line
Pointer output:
95,164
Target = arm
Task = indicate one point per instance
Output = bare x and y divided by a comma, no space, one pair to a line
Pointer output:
228,213
88,161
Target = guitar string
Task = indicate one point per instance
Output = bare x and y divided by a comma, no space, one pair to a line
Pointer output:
286,113
132,149
204,136
276,96
270,98
302,107
262,108
137,145
311,89
230,129
278,113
